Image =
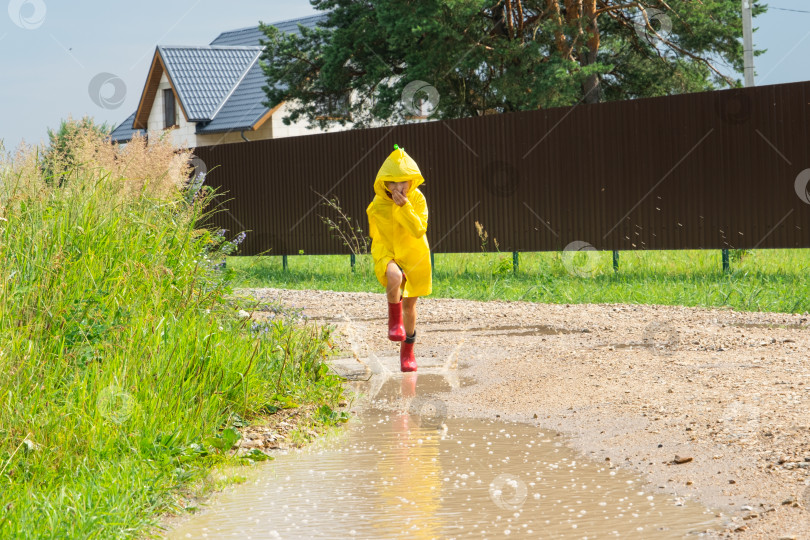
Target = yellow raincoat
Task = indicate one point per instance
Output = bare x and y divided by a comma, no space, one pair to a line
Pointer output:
398,232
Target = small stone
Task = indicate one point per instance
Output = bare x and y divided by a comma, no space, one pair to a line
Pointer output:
679,460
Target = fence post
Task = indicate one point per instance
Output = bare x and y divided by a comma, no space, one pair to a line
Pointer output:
352,259
284,262
726,265
615,260
515,262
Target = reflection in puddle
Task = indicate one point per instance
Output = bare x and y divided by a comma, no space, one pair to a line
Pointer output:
416,385
404,470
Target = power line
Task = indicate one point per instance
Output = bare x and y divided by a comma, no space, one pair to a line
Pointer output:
787,9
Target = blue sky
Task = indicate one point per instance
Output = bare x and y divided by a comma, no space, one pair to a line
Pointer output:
48,68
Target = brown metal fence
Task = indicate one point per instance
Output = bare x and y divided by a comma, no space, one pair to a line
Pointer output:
718,170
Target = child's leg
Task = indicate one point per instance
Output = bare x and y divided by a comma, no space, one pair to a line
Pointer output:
396,331
409,314
394,277
407,360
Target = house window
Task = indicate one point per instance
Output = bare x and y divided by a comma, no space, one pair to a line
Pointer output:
169,109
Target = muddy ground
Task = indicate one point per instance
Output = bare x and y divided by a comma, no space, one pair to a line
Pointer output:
635,385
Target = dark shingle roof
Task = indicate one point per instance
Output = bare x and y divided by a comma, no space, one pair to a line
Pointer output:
205,76
251,35
244,107
124,131
220,85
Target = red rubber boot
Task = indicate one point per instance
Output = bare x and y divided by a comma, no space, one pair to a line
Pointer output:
396,332
407,361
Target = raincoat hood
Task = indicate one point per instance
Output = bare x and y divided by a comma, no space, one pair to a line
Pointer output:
398,167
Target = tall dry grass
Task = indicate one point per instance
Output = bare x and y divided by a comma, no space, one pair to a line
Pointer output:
122,360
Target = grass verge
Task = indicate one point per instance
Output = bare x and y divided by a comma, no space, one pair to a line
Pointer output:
124,366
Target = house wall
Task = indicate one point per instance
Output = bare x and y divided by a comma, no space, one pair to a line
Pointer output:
183,136
273,128
297,128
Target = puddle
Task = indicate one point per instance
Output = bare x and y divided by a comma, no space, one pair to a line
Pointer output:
527,330
338,320
343,319
631,345
404,469
398,390
769,326
731,366
664,348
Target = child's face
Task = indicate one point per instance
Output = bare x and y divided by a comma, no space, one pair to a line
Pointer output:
401,187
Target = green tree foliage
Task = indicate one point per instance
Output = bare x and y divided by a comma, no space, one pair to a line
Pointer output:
58,156
494,56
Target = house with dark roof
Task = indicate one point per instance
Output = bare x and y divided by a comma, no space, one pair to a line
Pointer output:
212,94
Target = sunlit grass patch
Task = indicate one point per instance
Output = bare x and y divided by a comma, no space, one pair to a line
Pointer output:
760,280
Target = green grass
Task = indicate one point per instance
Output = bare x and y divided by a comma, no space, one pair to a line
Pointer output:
123,362
760,280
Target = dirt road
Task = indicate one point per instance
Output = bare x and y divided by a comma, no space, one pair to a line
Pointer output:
636,385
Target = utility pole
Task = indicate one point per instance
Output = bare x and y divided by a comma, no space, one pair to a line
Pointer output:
748,43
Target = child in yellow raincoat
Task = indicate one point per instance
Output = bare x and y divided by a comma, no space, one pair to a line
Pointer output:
397,219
